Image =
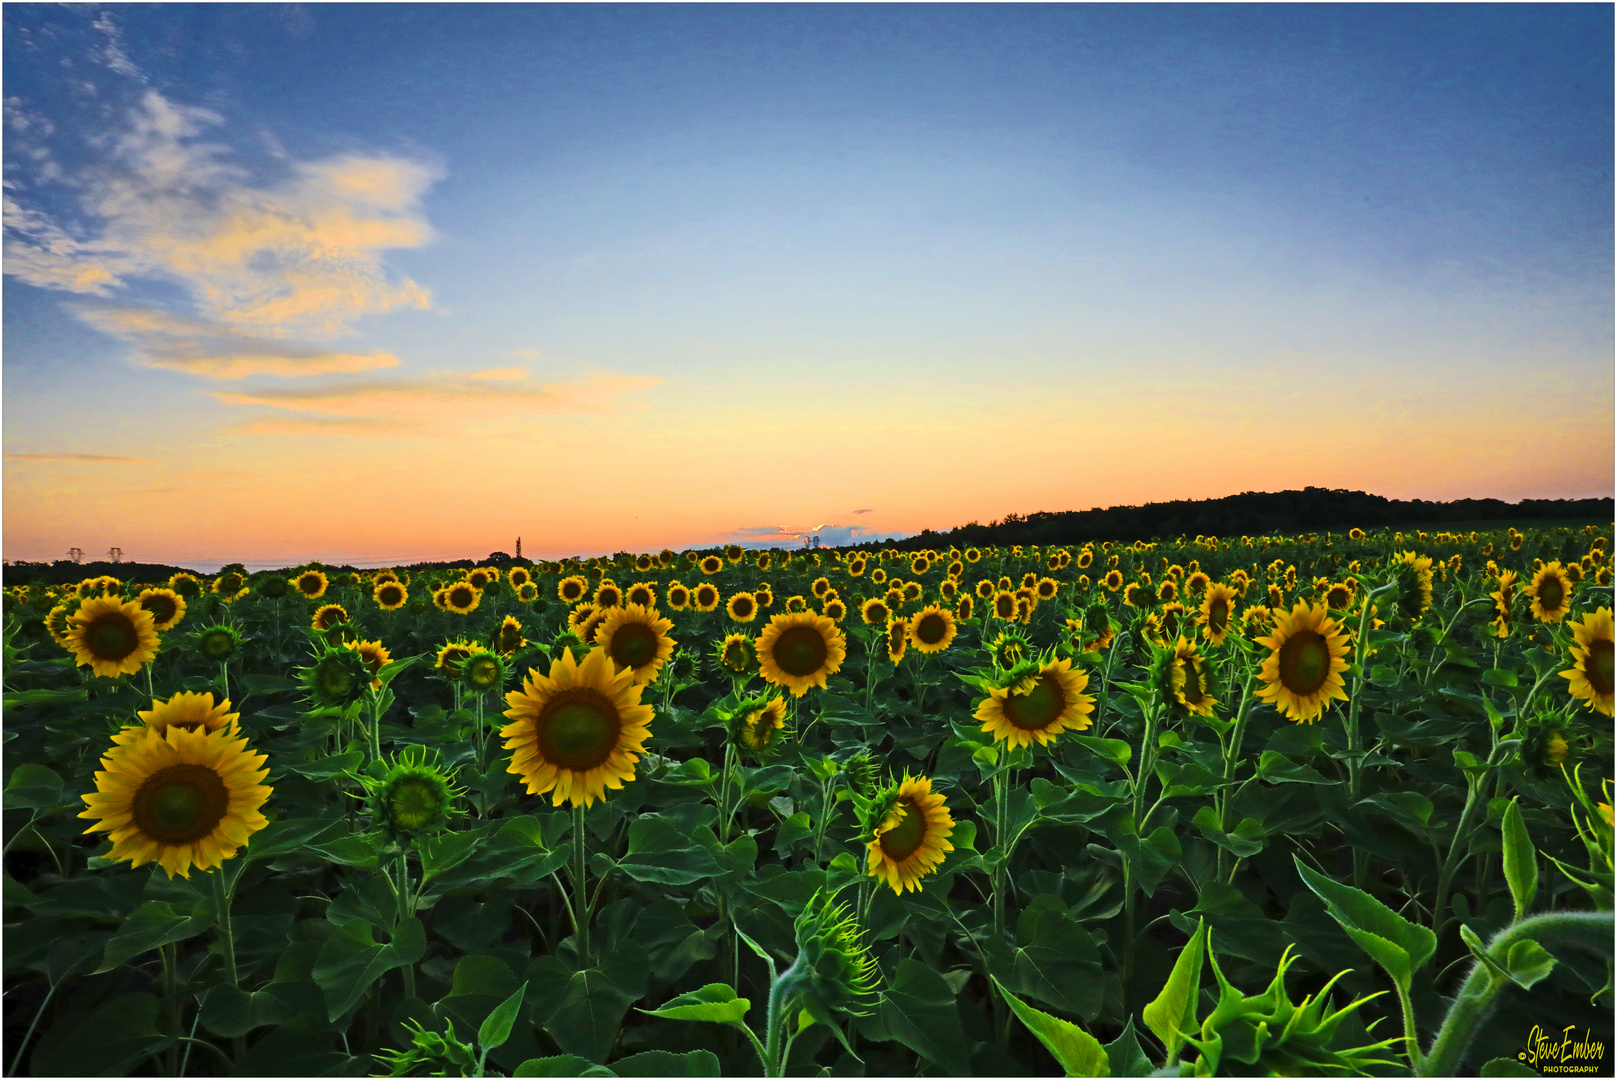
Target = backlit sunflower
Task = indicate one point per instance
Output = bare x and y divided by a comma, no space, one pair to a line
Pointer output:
113,637
799,650
185,584
165,606
712,564
311,583
329,615
390,595
1550,593
636,638
508,638
578,731
1304,669
1037,704
572,589
519,576
910,838
182,798
932,629
462,598
743,607
1591,673
679,597
706,597
1217,606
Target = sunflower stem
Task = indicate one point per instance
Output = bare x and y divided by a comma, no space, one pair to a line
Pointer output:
1361,857
1231,756
227,940
581,914
406,906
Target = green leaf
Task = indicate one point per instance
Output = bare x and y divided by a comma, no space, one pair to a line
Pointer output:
1172,1015
395,668
1528,963
1279,769
1077,1051
1056,961
716,1003
1499,677
46,697
152,925
1520,859
108,1042
1506,1067
497,1028
446,851
33,787
666,1063
1244,842
351,960
663,855
582,1010
231,1012
918,1010
1392,941
1116,751
287,835
1124,1056
355,849
561,1065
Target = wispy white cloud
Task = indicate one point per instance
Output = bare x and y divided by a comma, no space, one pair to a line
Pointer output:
784,536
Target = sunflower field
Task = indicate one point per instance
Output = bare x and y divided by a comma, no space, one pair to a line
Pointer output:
1325,804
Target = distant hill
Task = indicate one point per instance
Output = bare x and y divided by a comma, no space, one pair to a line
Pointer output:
1254,513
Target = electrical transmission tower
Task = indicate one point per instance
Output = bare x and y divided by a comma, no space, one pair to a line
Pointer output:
76,554
519,547
116,554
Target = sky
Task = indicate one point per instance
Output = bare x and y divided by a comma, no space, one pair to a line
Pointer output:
388,283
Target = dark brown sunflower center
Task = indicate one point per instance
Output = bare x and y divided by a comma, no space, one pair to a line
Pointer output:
742,606
570,590
161,607
1218,614
1038,708
1550,594
391,594
1004,605
607,598
678,596
1192,688
634,645
931,629
309,584
180,804
800,651
1597,668
641,597
705,597
460,597
112,637
1305,662
905,838
578,730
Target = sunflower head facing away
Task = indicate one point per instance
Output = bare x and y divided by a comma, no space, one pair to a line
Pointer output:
800,650
757,723
1183,678
113,637
908,827
577,731
336,679
636,638
181,798
837,972
1303,672
736,654
1590,677
1036,702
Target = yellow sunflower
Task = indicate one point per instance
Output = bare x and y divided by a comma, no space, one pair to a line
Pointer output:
911,840
1551,594
757,728
984,589
743,607
376,657
1039,706
192,712
390,595
1113,580
462,598
712,564
835,610
519,576
166,607
1004,604
311,583
572,589
637,640
480,577
799,650
56,623
508,638
962,609
182,798
679,597
875,612
329,615
821,586
1591,672
642,593
1304,669
706,597
578,731
608,595
734,553
113,637
932,629
1190,679
898,639
451,655
1217,606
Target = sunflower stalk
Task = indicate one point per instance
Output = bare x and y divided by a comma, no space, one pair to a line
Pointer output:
581,913
1460,845
1232,754
406,906
1361,857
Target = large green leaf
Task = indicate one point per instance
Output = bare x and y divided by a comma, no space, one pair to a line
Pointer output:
285,836
108,1042
666,1063
1077,1051
918,1010
582,1010
352,959
1392,941
716,1003
1172,1014
562,1065
34,787
1124,1056
1056,960
152,925
663,855
1520,859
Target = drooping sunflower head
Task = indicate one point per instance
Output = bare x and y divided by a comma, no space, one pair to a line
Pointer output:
757,724
1183,678
1548,742
508,638
336,678
1414,576
181,798
1303,672
56,623
1035,702
165,606
414,797
907,825
577,731
838,973
736,654
451,655
636,638
111,636
1590,677
896,638
1550,593
706,597
743,607
329,615
797,650
312,584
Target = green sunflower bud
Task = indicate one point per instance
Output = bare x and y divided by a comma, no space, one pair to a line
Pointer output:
834,971
1010,648
864,774
413,797
274,586
336,679
430,1054
568,640
757,726
483,672
1268,1035
219,642
737,654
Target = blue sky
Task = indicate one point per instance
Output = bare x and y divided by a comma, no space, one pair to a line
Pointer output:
781,257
